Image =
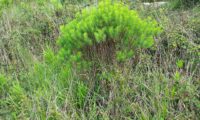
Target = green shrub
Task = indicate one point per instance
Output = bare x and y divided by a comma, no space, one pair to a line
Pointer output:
107,32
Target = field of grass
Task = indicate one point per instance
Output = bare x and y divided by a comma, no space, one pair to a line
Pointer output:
46,76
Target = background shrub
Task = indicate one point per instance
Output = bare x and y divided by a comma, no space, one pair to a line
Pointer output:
183,3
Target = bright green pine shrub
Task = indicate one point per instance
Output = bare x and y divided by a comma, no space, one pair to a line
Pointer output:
108,31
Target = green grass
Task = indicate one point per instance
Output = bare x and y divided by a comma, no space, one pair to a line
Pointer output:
162,82
177,4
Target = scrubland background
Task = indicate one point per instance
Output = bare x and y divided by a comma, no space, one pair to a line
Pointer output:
158,83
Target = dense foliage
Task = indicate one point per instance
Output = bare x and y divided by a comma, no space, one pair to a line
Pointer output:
108,24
